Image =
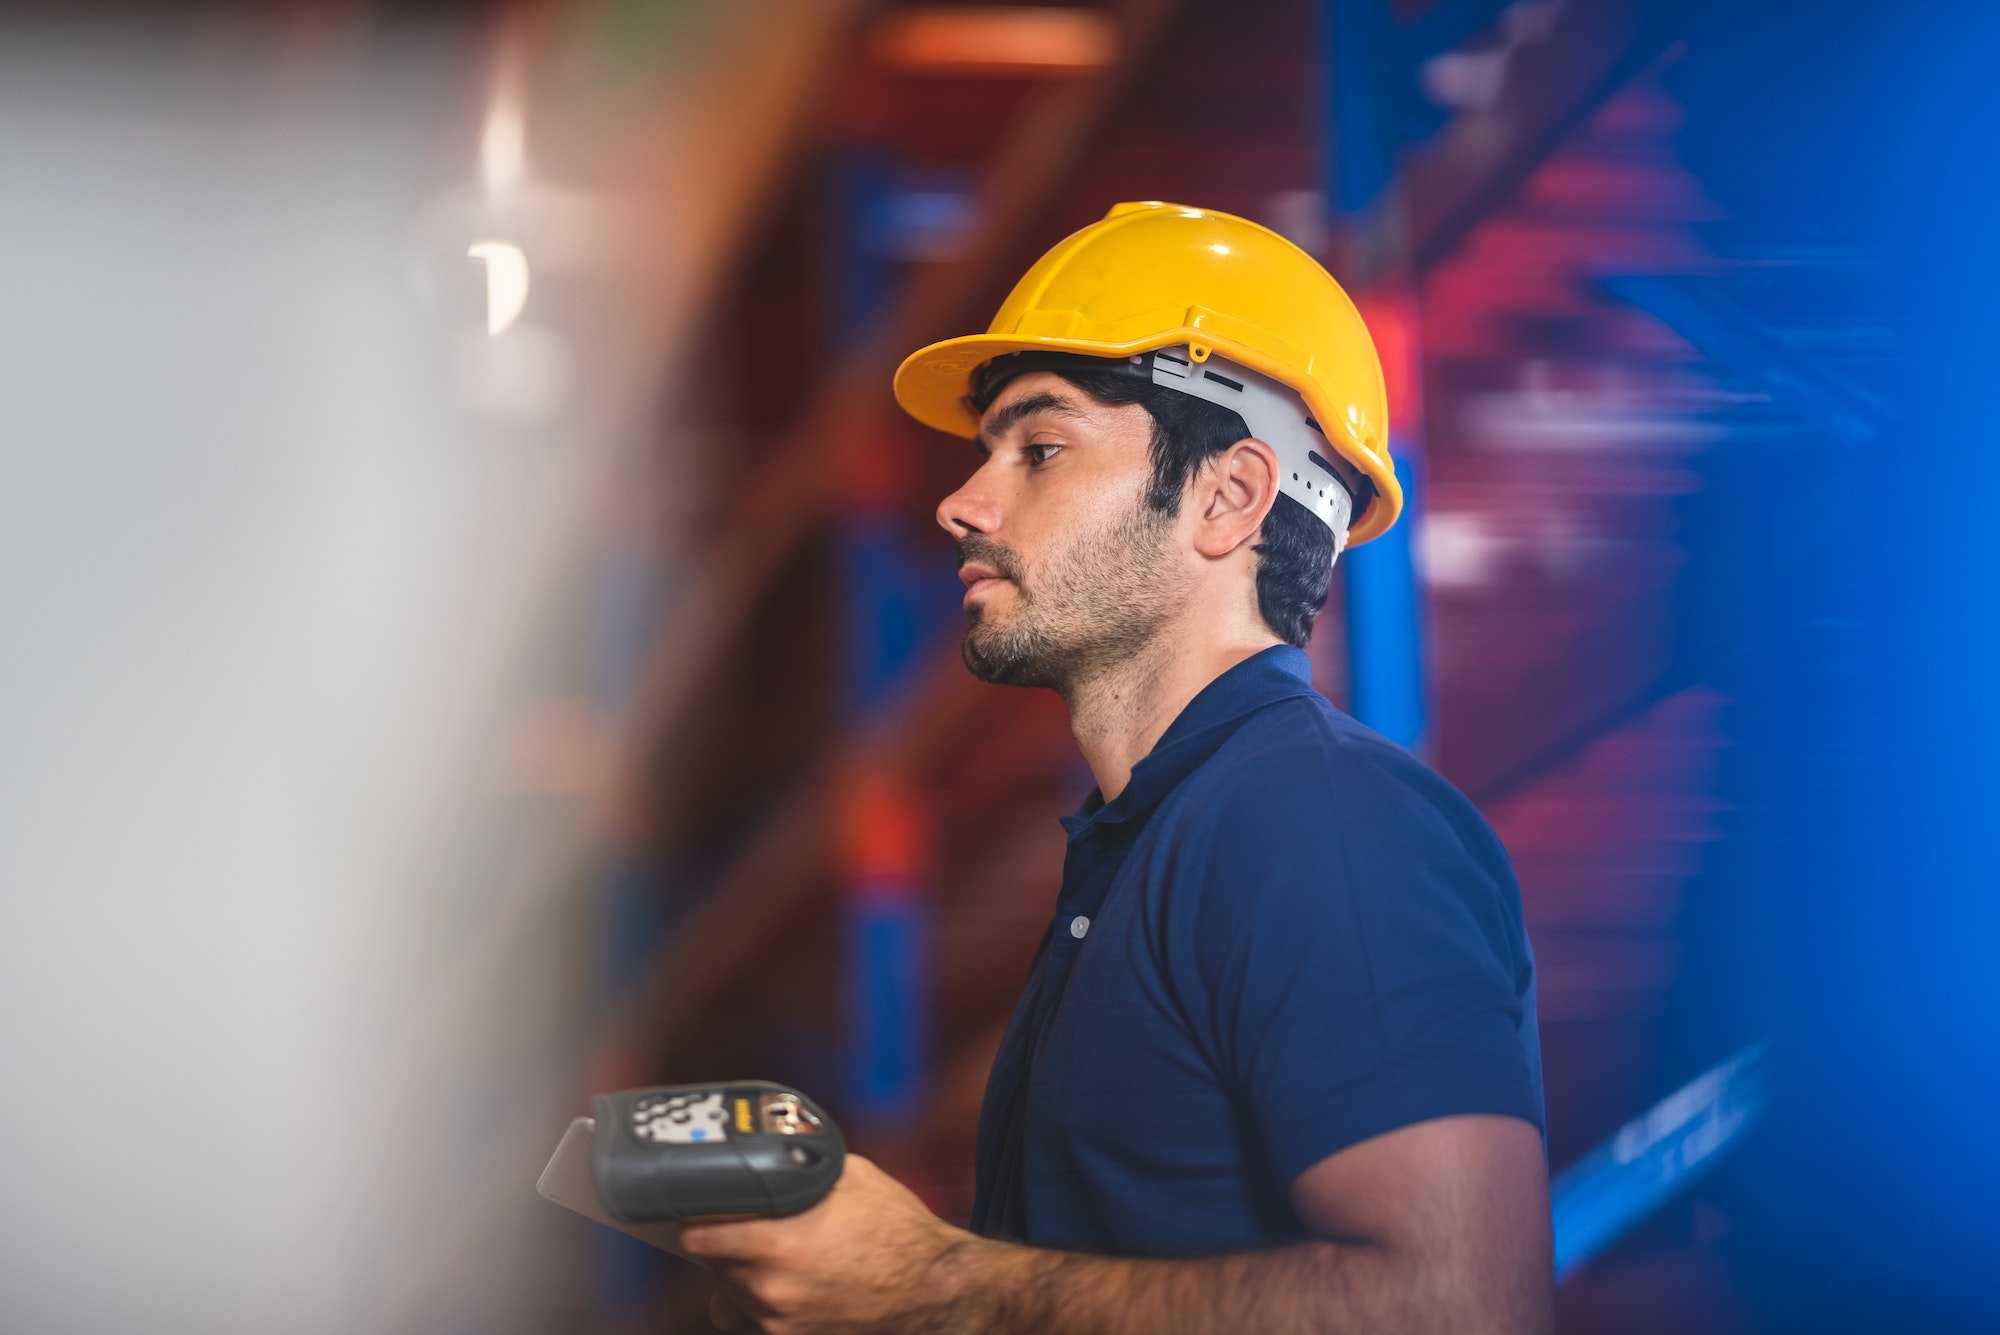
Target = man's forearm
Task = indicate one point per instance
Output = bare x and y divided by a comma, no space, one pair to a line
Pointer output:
998,1287
872,1257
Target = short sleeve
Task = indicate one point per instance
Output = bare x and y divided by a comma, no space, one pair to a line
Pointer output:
1361,961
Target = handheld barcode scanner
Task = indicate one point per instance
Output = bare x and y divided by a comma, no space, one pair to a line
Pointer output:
670,1153
698,1151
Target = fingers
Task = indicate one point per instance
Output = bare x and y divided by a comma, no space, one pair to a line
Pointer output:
734,1306
724,1314
708,1243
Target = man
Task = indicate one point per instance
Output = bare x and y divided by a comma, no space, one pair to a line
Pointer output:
1275,1067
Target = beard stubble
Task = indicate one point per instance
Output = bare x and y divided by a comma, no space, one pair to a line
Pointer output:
1098,601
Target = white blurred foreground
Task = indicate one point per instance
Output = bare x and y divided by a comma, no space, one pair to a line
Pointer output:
292,528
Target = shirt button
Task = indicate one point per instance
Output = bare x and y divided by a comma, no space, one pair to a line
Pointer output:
1078,926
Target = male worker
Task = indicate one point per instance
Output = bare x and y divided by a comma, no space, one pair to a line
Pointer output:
1275,1067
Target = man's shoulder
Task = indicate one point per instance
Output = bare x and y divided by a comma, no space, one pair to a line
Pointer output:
1315,751
1304,775
1307,812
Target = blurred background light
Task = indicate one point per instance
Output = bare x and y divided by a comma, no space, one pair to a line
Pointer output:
506,282
1016,39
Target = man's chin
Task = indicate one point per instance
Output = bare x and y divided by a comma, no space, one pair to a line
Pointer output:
1003,665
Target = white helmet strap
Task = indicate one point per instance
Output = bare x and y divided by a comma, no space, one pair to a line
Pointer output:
1309,471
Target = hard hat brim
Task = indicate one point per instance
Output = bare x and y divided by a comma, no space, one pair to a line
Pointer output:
934,383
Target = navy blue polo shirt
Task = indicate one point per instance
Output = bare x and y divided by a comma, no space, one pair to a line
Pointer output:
1285,936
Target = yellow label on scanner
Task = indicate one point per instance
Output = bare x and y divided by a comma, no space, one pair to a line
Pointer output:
743,1115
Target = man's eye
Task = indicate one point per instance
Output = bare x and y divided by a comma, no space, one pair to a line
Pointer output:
1041,454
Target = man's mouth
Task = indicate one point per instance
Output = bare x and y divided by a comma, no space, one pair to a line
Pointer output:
977,575
983,582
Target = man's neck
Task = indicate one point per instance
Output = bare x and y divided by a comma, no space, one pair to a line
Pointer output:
1119,713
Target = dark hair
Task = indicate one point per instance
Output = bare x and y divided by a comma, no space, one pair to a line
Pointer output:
1295,550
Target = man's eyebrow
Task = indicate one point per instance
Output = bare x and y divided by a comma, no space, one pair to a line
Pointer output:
1047,401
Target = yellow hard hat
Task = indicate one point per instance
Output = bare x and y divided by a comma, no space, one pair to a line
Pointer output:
1154,275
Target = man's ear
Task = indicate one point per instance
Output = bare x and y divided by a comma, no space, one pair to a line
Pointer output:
1234,490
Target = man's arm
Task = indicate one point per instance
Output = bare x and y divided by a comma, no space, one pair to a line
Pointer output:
1439,1226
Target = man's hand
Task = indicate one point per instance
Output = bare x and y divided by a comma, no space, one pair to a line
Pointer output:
864,1259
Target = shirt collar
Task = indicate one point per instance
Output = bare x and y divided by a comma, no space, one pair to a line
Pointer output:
1281,672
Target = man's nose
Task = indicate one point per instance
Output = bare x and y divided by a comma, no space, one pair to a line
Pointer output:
970,509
